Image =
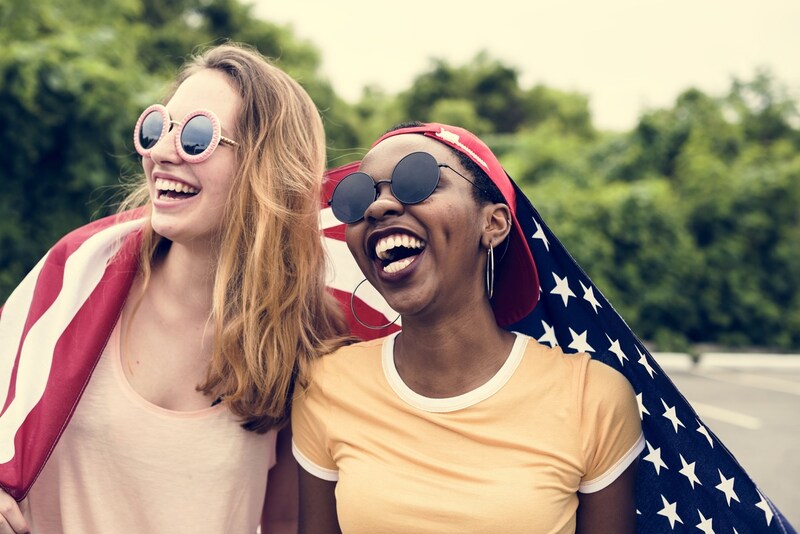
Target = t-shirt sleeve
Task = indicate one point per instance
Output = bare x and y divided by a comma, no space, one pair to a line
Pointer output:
611,432
310,416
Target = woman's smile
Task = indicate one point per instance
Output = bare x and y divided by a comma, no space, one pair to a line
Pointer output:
396,251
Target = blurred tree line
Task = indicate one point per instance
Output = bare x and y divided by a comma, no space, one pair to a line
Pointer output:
689,223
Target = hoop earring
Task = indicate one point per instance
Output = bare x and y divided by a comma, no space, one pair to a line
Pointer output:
490,271
362,323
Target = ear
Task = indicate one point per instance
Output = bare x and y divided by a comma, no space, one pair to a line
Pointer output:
497,224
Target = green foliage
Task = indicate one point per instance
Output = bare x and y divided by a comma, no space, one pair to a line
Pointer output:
689,223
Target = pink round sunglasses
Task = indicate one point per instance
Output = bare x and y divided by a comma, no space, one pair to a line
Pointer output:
198,134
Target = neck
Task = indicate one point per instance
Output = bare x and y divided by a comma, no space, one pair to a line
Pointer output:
453,355
185,277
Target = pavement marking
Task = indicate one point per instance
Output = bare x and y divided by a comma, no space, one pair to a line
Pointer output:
769,383
727,416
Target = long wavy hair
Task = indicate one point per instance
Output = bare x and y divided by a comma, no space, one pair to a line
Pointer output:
271,312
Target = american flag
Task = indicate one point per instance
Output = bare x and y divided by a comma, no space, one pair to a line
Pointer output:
56,323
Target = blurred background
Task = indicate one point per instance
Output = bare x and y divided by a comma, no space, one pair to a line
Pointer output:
683,205
660,140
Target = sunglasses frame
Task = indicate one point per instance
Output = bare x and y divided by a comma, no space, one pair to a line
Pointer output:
166,125
439,166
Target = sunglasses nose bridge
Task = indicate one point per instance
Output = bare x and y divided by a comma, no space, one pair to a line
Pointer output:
378,185
165,148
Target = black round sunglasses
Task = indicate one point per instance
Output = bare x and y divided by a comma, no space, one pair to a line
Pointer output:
414,178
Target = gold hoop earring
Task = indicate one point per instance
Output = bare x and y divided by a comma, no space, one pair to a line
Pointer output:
362,323
490,271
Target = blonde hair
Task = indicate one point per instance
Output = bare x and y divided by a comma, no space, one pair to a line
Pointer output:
271,311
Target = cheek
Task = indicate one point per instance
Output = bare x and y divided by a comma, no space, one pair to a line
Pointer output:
218,170
354,237
147,165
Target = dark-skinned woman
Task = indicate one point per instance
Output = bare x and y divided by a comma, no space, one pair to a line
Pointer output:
455,424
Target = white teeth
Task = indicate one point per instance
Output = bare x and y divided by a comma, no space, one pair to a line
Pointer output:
171,185
387,243
398,265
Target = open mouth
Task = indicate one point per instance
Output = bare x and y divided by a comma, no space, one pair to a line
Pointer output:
397,251
172,190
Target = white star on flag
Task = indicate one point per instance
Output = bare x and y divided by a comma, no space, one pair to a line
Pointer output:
688,471
669,413
703,430
726,486
705,524
764,505
588,295
549,335
670,512
540,235
642,409
562,289
616,349
644,363
654,457
579,342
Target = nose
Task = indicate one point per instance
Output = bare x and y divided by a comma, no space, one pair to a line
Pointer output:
385,203
164,151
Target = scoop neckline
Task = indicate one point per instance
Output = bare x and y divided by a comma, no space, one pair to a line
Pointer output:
458,402
115,343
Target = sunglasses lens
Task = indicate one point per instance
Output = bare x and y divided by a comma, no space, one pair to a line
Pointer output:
150,130
415,177
352,197
196,135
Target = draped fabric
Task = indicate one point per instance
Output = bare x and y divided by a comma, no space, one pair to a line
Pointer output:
56,323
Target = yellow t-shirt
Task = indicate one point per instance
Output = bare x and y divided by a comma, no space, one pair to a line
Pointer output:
509,456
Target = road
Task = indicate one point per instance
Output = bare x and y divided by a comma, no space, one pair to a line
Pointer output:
756,413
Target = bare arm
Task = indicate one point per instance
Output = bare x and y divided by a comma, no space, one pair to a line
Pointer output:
280,505
612,510
11,519
317,505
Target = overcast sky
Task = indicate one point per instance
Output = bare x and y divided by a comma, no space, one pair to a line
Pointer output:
627,55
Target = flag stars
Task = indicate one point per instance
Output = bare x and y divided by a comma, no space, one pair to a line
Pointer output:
562,289
617,350
670,512
579,342
703,430
764,505
540,235
726,486
588,296
688,471
654,457
705,524
669,413
642,409
644,363
549,335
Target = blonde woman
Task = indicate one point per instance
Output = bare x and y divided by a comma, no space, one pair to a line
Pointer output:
194,315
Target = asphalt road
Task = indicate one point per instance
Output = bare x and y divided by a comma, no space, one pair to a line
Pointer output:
756,414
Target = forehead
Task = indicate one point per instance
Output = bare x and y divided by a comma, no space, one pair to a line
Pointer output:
206,89
381,160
